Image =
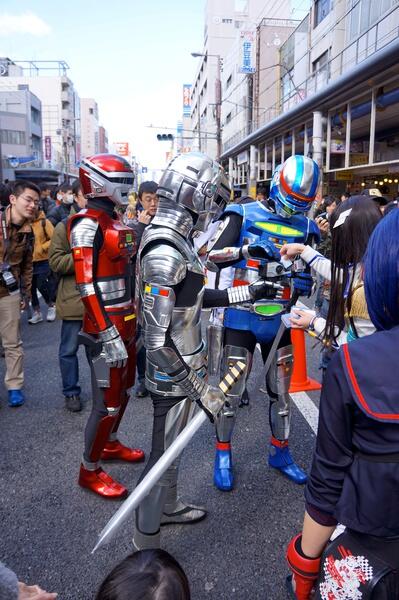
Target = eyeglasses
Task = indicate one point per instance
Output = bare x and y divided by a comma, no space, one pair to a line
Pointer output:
30,200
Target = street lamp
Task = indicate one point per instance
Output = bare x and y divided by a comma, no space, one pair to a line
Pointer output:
218,98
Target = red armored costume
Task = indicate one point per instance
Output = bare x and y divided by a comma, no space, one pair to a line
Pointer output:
102,251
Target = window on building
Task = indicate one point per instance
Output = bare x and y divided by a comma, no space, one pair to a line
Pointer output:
65,104
321,9
365,13
228,117
91,111
35,115
321,62
9,136
228,82
320,69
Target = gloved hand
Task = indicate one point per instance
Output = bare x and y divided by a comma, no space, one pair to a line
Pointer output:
212,401
303,283
305,571
113,347
263,289
262,249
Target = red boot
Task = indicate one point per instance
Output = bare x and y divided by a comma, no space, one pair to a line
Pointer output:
101,483
116,451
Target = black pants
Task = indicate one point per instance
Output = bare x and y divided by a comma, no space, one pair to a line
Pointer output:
44,281
162,405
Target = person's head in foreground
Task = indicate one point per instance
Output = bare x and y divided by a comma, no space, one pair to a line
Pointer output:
381,273
146,575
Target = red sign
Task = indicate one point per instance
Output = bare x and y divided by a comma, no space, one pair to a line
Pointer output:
122,148
47,147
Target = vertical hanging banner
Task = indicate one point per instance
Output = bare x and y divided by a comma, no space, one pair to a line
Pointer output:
247,58
186,99
47,147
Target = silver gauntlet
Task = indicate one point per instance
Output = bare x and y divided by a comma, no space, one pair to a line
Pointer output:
209,398
113,347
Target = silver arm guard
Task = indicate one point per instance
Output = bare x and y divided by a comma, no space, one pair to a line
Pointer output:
158,303
83,233
228,254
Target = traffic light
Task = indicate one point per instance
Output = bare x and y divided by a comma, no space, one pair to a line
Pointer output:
165,137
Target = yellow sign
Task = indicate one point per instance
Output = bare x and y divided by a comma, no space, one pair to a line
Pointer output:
343,176
276,228
359,159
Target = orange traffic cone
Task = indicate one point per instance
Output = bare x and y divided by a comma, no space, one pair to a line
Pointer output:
300,382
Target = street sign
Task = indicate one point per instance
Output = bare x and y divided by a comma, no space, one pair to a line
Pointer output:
122,148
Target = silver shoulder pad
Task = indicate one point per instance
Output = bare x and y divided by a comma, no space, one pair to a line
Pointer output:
83,233
163,265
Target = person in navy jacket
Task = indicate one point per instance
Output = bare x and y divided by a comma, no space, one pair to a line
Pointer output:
355,473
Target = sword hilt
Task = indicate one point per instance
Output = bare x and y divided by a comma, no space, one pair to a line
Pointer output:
232,376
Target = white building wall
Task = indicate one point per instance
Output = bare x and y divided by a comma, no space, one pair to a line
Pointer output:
90,141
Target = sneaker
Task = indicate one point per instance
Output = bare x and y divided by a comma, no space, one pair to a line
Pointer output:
141,390
51,313
36,318
15,398
73,403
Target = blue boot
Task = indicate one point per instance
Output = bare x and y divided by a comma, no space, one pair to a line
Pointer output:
15,398
223,477
280,458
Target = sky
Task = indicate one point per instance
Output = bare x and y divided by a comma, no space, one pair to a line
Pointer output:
131,56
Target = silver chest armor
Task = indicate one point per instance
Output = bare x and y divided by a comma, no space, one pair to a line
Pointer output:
161,266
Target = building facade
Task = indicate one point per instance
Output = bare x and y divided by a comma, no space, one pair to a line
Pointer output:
89,127
223,87
102,139
48,81
337,99
20,130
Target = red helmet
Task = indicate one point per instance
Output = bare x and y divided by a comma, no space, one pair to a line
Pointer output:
106,176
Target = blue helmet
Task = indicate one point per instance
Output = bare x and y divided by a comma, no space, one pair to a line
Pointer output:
294,185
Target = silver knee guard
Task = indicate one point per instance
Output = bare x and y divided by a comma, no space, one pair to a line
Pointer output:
226,418
277,382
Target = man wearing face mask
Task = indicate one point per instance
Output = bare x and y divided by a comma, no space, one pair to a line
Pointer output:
66,198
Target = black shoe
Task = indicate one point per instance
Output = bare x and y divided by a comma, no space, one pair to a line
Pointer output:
141,390
73,403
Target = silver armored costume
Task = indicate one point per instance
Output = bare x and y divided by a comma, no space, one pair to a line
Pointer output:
170,288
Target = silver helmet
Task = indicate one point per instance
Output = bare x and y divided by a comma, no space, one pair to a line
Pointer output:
199,184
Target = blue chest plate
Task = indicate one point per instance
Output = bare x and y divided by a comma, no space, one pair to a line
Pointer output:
260,223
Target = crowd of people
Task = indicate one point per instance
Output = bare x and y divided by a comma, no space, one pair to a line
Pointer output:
84,254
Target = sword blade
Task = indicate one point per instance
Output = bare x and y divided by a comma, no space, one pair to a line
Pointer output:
167,458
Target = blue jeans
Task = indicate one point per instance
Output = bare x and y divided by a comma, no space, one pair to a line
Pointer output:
68,358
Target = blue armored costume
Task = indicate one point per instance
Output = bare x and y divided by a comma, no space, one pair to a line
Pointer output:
250,236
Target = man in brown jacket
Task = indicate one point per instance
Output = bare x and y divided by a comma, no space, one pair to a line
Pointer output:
69,309
16,242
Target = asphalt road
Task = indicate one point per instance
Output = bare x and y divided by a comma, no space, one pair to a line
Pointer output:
49,525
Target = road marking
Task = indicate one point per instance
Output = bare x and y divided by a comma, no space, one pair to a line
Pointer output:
308,408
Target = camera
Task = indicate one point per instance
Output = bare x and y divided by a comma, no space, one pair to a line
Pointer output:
9,280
